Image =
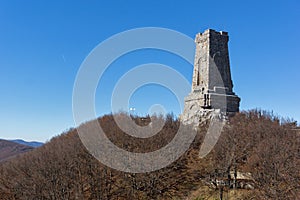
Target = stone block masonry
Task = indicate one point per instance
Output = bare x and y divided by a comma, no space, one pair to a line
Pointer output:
212,87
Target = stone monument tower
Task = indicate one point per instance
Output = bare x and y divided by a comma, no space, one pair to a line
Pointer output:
211,84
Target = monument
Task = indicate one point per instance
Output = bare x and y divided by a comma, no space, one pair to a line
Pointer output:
212,87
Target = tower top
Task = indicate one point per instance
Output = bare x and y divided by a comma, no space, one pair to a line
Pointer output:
211,60
212,31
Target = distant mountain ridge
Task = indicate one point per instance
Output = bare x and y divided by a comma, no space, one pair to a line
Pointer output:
9,149
31,143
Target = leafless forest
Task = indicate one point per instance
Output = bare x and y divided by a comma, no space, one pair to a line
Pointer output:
253,141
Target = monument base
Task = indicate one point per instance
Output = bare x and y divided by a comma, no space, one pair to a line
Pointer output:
197,105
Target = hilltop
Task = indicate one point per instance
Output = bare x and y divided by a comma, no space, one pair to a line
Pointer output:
255,142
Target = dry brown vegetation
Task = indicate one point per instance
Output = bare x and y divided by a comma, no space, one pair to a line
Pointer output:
253,141
269,148
10,149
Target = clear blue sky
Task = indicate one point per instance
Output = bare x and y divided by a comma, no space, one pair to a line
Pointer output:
43,43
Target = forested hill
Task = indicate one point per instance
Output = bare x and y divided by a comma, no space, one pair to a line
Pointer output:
254,142
10,149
